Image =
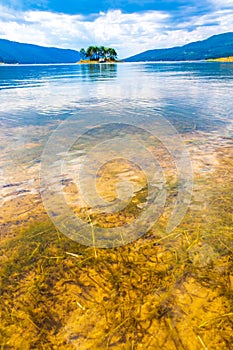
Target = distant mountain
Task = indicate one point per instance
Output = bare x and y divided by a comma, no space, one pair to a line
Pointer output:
13,52
216,46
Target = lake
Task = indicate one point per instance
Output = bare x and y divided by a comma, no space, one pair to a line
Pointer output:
133,157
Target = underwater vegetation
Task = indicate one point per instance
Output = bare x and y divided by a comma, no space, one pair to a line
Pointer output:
163,291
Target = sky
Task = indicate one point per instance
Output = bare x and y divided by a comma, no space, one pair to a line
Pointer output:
130,27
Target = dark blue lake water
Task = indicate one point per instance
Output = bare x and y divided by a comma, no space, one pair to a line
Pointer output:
188,94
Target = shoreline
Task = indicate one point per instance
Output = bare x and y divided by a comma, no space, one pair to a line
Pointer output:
221,59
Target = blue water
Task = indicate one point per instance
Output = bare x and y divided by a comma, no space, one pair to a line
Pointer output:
194,97
190,271
185,93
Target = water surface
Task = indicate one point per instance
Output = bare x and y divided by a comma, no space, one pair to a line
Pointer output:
170,291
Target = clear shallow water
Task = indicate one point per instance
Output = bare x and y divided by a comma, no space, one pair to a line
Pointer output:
194,97
181,285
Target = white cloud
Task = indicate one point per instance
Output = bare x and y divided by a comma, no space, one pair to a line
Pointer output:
222,3
128,33
207,25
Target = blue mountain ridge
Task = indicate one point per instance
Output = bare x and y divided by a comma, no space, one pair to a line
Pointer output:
14,52
216,46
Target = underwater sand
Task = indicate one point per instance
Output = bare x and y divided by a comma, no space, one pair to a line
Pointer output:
163,291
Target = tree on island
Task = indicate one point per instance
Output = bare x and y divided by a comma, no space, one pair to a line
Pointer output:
82,53
95,53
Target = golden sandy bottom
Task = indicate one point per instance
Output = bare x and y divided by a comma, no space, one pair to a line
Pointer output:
163,291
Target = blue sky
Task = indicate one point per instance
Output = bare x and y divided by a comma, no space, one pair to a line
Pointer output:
129,26
95,6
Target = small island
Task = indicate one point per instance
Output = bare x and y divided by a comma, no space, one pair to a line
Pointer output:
98,54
